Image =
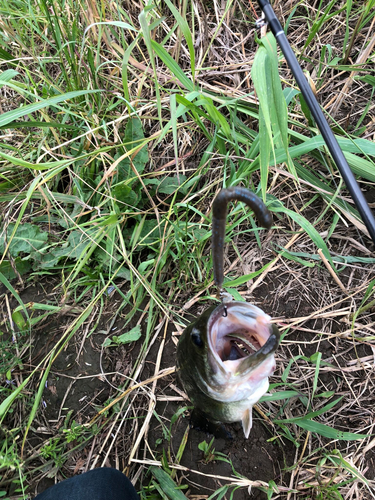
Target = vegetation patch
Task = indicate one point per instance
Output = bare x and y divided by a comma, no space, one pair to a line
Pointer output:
119,125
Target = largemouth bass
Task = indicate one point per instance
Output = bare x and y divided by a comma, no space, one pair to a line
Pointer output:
225,357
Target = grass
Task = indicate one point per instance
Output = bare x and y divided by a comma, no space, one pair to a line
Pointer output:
119,125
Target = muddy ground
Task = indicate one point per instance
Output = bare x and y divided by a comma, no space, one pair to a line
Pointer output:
85,377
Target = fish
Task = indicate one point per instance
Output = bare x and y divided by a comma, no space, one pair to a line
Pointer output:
225,356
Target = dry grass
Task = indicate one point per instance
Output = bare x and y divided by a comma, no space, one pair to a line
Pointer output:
317,310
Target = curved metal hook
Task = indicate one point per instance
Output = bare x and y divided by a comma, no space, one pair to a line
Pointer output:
219,219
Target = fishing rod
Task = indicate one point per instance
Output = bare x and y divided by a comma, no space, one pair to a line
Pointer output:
328,136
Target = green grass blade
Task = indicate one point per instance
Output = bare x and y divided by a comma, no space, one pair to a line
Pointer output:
172,65
338,460
12,115
145,28
37,166
32,124
316,374
5,405
328,432
124,68
6,283
186,32
318,23
277,396
247,277
6,76
37,400
308,227
279,110
261,76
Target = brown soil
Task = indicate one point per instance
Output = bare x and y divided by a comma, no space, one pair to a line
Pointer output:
76,388
85,376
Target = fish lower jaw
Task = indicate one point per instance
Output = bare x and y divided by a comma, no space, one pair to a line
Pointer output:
231,386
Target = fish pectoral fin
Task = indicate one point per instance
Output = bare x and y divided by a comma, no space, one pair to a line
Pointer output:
247,421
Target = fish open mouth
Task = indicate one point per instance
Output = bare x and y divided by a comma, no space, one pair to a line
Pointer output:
241,332
239,345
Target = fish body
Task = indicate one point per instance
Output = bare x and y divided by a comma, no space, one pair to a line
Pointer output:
224,359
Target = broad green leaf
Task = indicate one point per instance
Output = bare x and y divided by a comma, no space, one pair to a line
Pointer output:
26,239
125,194
168,486
73,248
170,184
77,243
132,336
146,264
133,138
22,266
151,231
19,320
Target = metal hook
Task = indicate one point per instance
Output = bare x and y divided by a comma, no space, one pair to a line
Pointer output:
219,220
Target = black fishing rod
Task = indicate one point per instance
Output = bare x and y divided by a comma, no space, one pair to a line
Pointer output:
330,139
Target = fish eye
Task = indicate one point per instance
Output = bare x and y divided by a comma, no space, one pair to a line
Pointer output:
196,337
